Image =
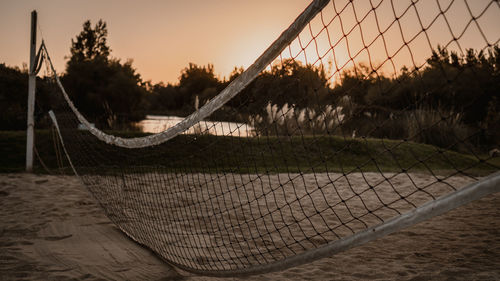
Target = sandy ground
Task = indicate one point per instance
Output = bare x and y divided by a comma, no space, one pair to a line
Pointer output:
51,228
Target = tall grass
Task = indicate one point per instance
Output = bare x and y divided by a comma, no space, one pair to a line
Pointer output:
437,127
290,120
424,124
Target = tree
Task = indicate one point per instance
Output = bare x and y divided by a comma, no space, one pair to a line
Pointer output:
165,100
14,96
198,81
108,92
288,83
462,83
90,44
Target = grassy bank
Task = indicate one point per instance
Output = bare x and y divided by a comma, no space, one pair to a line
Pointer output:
266,154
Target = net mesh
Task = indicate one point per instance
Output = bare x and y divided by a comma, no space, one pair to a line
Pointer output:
374,109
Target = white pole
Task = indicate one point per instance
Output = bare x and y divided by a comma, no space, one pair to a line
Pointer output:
31,96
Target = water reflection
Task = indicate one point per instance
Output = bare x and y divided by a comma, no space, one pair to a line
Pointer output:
158,123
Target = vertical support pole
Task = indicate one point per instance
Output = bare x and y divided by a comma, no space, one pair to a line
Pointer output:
31,95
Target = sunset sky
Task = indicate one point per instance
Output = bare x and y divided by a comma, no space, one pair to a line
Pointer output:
162,37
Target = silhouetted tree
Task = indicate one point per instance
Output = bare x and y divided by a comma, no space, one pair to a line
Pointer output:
452,86
287,83
198,81
462,83
107,91
14,96
165,100
90,44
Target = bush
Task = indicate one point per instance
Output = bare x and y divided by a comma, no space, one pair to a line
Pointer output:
435,127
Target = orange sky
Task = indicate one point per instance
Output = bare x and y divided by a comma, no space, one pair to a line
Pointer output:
162,37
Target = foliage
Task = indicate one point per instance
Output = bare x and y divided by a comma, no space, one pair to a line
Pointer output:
90,44
198,81
454,96
14,97
164,99
197,85
106,91
286,84
292,121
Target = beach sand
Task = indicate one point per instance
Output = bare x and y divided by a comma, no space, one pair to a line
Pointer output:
51,228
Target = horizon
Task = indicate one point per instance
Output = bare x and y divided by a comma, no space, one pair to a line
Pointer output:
155,23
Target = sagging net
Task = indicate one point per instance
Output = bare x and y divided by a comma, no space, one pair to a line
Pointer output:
374,109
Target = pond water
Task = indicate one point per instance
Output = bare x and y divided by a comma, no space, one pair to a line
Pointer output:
158,123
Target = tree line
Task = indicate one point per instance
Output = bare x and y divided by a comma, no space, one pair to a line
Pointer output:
461,91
